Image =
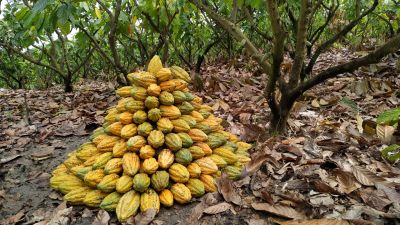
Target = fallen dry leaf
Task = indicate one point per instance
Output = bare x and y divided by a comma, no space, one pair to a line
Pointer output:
255,164
13,219
227,190
219,208
8,159
61,215
316,222
346,181
279,210
145,218
366,177
102,218
385,133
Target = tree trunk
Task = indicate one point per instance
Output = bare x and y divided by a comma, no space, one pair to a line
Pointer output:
68,84
278,121
280,114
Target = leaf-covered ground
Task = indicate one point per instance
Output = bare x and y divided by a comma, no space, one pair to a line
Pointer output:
330,165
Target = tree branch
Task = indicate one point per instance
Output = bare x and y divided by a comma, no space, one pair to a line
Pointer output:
237,34
277,56
301,34
374,57
340,34
31,59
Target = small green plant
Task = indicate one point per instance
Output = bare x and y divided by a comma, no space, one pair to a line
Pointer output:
390,117
391,153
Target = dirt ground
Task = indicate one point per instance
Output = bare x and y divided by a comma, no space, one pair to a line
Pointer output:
325,168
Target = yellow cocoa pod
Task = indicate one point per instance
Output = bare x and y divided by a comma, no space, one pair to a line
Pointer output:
209,183
66,183
135,143
206,149
90,161
168,85
197,152
156,138
218,160
180,73
242,159
180,84
80,171
124,91
166,98
180,125
165,125
76,196
165,158
173,141
166,198
243,146
128,131
101,160
197,135
149,200
154,114
179,173
147,152
86,151
92,178
72,161
153,90
207,165
125,118
110,202
98,138
139,117
120,148
124,184
107,184
197,116
130,163
155,65
150,165
226,154
128,205
114,129
196,187
134,106
141,182
143,79
160,180
181,193
60,169
163,74
107,144
113,166
94,197
171,112
194,170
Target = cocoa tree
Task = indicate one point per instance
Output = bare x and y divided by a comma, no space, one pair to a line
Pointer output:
283,89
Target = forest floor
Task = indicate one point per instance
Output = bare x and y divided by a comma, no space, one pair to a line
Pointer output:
325,168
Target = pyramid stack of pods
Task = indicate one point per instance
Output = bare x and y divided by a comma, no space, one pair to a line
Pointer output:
159,145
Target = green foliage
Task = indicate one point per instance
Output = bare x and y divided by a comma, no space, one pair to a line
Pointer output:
392,152
62,33
390,117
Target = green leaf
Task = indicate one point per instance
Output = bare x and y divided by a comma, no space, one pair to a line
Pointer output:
40,5
389,117
65,28
350,103
21,13
63,13
392,152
